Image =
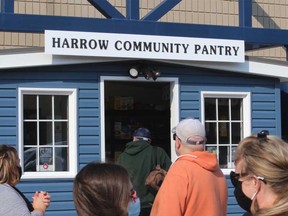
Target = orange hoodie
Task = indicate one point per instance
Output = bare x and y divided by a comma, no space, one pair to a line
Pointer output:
194,185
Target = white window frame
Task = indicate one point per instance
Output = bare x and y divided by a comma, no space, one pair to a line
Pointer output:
246,96
72,119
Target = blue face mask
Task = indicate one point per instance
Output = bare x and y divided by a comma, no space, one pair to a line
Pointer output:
134,207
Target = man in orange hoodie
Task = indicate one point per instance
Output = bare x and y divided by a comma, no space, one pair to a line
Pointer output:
194,184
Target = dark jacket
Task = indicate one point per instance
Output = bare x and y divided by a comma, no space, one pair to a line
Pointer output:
137,159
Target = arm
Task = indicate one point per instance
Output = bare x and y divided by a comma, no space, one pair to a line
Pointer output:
170,199
14,203
165,161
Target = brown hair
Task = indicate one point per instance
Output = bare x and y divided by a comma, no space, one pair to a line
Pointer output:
102,189
9,165
267,158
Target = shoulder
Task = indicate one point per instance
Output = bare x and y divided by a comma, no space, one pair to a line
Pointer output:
5,188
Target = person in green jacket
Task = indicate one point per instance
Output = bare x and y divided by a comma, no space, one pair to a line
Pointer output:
137,159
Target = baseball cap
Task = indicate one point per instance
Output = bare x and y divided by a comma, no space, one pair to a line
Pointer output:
142,133
190,131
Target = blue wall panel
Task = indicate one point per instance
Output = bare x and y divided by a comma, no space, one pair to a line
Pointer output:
85,78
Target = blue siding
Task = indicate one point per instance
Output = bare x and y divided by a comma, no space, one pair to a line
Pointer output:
265,111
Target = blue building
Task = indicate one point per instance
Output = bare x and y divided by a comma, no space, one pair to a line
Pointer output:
97,80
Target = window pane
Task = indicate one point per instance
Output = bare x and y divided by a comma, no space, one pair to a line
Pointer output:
30,106
236,106
46,159
210,108
211,133
223,156
30,159
212,149
61,107
30,133
61,159
236,132
45,107
223,108
45,133
61,133
224,133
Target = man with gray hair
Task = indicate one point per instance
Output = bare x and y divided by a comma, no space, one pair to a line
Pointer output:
194,184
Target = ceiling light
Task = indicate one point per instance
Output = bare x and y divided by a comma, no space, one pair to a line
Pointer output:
133,72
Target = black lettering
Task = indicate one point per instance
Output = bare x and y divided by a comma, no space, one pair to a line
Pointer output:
56,42
103,44
197,48
220,49
213,50
74,43
228,50
127,45
156,48
165,47
65,43
147,46
185,47
137,46
116,45
83,44
205,50
236,50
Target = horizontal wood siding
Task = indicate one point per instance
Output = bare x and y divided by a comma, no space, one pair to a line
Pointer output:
265,104
85,78
85,81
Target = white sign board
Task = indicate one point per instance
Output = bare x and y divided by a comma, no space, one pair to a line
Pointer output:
143,46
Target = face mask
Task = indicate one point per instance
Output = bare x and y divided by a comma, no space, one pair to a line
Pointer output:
243,201
20,171
134,207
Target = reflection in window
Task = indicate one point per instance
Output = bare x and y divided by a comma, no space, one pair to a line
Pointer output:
45,122
224,127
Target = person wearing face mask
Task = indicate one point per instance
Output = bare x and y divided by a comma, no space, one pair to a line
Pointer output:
194,184
15,201
261,175
105,189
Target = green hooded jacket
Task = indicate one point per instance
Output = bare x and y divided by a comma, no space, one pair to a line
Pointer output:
137,159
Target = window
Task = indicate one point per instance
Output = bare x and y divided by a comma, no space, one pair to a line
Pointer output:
47,132
226,117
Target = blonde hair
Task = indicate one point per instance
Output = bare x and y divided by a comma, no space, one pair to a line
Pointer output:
267,157
9,165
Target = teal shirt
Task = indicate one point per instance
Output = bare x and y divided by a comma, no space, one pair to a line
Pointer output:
137,159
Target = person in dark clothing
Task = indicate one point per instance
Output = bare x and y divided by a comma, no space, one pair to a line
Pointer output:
137,159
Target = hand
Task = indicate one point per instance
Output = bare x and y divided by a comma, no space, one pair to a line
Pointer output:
46,198
41,201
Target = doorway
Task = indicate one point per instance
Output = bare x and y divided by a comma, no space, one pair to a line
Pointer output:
127,105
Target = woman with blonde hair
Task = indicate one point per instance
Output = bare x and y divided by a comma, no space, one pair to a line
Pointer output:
261,175
15,201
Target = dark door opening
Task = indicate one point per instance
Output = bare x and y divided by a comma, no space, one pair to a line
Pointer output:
130,105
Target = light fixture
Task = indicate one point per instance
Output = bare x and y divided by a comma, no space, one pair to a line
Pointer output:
148,72
155,74
134,72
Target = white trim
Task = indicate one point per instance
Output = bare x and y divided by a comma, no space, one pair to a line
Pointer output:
73,157
246,96
252,65
174,101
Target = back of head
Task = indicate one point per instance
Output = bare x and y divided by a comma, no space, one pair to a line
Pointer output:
190,131
142,134
102,189
267,157
9,165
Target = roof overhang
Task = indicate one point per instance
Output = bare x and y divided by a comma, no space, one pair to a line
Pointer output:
37,58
